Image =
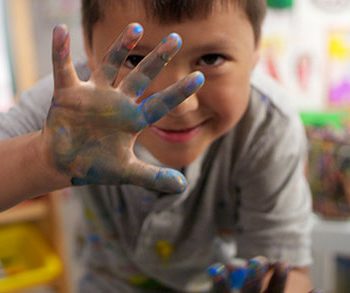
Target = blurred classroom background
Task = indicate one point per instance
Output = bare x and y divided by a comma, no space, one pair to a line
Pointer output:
305,47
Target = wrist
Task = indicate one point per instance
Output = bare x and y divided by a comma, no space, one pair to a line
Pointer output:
40,151
27,170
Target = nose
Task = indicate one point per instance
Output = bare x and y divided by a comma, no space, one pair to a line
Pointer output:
168,77
188,105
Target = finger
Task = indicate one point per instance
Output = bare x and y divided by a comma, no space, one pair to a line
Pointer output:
135,83
117,54
155,178
257,268
63,69
139,173
279,278
218,273
238,277
155,107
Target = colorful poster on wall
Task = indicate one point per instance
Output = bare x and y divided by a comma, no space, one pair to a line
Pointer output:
293,59
339,68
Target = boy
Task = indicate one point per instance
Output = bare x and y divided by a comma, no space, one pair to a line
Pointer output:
241,151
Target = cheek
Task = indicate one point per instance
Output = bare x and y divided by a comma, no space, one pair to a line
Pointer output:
227,101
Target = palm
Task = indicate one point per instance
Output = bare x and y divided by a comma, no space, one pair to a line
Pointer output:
92,126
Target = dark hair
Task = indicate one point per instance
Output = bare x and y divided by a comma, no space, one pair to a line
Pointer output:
167,11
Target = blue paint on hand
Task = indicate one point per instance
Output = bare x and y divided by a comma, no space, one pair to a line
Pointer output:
76,181
169,180
238,277
138,29
92,177
216,270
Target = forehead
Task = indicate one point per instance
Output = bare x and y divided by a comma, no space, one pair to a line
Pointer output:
166,12
120,13
229,25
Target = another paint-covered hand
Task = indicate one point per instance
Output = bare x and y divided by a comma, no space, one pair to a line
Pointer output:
92,126
250,277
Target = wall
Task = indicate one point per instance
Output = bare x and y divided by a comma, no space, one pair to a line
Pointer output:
6,100
307,48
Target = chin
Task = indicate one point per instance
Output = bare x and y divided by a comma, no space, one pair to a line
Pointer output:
175,155
177,163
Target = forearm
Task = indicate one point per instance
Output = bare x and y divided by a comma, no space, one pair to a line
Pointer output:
26,170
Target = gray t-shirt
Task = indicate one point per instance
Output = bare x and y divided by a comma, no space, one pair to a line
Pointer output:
248,188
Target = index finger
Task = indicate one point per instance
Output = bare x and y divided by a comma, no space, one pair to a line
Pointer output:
135,83
117,54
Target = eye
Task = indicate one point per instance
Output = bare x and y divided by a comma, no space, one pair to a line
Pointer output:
132,61
211,60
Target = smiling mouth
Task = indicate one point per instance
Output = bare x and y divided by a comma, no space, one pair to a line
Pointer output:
177,135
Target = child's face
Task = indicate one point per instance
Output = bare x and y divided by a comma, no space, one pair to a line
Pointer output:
221,46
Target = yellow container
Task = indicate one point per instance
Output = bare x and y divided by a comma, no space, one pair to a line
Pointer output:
26,259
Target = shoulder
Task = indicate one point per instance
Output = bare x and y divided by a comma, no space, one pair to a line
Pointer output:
270,108
31,110
41,93
271,126
44,87
270,100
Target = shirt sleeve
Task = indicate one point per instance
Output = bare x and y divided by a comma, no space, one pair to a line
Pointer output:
274,216
29,113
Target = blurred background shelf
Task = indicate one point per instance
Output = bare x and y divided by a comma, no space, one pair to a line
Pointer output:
45,213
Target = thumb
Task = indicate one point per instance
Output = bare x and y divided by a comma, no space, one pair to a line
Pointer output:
156,178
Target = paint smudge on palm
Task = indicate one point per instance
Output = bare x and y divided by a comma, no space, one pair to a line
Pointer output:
164,249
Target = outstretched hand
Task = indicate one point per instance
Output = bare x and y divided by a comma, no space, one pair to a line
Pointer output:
249,278
256,275
92,126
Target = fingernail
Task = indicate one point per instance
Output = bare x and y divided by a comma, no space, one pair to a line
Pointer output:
133,32
61,40
171,181
216,269
257,266
60,32
196,81
175,38
218,273
170,45
137,28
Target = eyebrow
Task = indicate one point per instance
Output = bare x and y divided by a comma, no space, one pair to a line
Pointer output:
217,45
218,42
